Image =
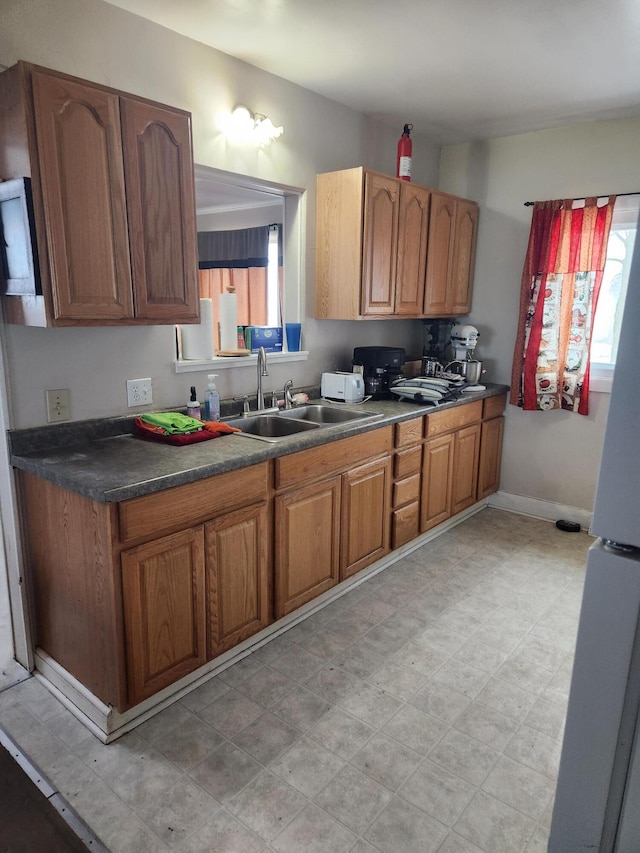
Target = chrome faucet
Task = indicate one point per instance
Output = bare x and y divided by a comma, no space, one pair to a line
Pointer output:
262,371
288,402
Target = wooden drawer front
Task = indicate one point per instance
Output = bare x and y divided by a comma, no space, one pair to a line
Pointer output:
451,419
407,490
332,458
405,524
407,462
409,432
493,406
184,506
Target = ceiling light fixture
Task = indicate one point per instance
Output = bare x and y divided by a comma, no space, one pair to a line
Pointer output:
242,126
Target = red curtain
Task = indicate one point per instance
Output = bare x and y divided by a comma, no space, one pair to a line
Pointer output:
561,281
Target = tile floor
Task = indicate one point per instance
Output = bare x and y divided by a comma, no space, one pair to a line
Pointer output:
423,711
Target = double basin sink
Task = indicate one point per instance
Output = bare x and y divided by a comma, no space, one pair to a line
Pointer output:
278,426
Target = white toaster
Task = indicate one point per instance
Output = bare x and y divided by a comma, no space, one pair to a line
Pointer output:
346,387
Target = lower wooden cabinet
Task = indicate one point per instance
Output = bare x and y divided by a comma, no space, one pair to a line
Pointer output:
163,585
237,568
437,473
365,516
490,457
466,454
307,544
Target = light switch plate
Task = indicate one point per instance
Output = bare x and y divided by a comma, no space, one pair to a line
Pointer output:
57,405
139,392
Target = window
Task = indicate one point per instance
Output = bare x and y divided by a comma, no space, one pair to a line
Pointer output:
606,327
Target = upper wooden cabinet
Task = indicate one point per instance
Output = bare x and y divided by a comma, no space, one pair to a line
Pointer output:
387,248
453,227
113,199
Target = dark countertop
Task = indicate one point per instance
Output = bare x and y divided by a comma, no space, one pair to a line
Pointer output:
104,461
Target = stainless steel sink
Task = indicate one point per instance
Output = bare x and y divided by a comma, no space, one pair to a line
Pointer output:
279,426
318,414
271,427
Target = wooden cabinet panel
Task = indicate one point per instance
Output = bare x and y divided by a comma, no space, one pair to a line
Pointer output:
465,468
493,406
307,544
184,506
80,156
451,419
407,462
161,211
441,230
405,524
408,432
437,472
331,458
365,516
490,457
163,586
463,259
413,225
238,547
407,490
380,244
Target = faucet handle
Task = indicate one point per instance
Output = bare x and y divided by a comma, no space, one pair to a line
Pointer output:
245,403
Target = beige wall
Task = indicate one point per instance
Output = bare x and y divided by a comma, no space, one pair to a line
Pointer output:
551,456
99,42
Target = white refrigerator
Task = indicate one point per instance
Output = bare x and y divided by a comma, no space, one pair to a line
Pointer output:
597,806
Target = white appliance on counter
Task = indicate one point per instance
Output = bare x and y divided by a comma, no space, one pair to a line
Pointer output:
344,387
597,806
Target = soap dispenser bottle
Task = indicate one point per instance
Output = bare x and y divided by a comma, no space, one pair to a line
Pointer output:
193,406
212,399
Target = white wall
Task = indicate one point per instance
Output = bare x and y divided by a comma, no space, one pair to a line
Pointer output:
553,455
99,42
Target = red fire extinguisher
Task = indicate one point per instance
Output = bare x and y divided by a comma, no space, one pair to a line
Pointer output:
405,146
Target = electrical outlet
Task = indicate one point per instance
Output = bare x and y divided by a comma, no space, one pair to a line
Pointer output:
139,392
57,405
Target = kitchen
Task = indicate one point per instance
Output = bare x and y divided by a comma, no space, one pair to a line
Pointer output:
500,174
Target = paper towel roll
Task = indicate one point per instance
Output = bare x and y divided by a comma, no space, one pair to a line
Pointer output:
197,339
228,321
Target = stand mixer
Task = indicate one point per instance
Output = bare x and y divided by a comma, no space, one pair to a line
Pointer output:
464,340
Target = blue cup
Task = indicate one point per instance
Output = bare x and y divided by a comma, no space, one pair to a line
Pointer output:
293,336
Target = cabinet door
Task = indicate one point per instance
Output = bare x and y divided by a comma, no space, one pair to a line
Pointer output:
158,168
464,250
413,226
237,571
163,586
365,516
442,220
80,159
437,473
490,457
465,468
307,547
380,244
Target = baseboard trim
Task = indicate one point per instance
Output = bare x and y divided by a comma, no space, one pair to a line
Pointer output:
108,724
536,508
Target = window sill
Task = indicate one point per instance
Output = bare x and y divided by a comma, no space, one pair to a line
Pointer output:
219,363
601,378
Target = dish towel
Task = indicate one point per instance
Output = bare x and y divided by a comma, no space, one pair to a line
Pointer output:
177,429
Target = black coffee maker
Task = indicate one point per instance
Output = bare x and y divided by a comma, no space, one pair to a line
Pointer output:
380,367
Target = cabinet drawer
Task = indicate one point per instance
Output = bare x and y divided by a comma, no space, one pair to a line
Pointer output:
451,419
408,432
332,458
185,506
405,524
407,490
407,462
493,406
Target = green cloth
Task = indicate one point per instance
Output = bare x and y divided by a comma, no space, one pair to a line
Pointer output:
172,422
